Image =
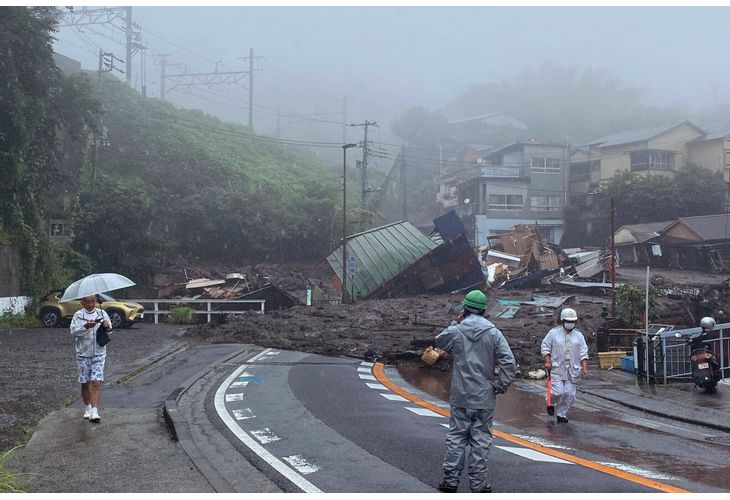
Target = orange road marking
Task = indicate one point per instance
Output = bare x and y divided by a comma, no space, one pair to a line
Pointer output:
379,372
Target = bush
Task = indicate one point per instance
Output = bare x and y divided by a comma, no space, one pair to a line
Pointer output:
8,321
182,316
631,304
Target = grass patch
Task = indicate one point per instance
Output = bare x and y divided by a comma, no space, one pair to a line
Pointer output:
182,316
9,483
8,321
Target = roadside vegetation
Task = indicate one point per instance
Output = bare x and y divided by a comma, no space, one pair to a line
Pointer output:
8,321
9,483
182,316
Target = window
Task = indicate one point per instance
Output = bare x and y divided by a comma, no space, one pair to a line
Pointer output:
505,202
652,160
545,165
545,204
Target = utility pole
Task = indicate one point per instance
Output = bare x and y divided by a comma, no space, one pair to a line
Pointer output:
613,260
403,189
345,147
117,17
344,119
251,59
278,122
163,66
365,153
129,45
106,63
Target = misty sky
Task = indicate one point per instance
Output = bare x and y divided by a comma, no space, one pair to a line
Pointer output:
387,59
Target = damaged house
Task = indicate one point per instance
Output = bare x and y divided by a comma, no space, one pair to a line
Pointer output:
700,243
397,259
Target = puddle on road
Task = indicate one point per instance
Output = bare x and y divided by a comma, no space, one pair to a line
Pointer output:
602,433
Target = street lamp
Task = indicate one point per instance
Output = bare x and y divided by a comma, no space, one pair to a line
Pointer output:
345,147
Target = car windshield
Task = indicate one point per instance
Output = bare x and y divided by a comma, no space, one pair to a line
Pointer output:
106,298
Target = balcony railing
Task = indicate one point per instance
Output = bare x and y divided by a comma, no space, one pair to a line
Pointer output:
502,172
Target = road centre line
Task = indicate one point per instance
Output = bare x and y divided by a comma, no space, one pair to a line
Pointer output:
379,372
251,443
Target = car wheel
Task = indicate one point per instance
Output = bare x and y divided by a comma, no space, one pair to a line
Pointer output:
116,317
50,317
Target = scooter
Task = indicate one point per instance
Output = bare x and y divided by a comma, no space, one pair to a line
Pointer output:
705,368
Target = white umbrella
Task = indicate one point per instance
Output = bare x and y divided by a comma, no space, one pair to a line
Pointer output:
95,283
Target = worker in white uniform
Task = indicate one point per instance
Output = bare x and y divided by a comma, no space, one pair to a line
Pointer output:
566,358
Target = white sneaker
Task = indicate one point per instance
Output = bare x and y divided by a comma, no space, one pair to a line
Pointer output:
94,417
87,413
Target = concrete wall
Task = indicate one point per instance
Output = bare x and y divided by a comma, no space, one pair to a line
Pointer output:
13,305
708,154
9,272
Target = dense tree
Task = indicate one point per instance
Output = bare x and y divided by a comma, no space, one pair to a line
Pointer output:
694,190
42,112
175,182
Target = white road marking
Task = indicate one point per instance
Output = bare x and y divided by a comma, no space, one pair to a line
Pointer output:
380,387
273,353
277,464
265,436
423,412
393,397
364,369
542,442
243,414
240,383
365,363
301,464
445,425
533,455
238,396
366,377
637,471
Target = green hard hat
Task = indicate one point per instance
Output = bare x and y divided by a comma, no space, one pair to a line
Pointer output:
476,299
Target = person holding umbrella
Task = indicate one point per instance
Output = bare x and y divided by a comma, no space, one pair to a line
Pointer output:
90,356
85,324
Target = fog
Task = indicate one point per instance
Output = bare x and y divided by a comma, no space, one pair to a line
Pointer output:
385,60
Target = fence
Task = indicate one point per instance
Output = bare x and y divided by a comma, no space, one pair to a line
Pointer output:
671,353
222,306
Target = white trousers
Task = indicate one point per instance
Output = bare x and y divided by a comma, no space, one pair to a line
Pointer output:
563,395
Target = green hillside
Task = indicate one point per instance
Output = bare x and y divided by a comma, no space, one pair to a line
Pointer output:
172,182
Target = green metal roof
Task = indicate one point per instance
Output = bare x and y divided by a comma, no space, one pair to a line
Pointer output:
382,253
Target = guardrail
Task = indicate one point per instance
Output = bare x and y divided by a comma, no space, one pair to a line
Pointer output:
671,353
209,310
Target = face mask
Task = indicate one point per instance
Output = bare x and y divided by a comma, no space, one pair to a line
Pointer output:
569,325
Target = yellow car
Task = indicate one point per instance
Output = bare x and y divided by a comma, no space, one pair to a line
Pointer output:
54,313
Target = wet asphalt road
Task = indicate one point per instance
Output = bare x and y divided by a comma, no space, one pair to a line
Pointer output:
288,396
328,419
661,448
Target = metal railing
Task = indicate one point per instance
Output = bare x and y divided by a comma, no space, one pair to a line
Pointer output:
671,353
209,310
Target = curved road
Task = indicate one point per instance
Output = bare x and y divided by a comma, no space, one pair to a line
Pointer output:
318,424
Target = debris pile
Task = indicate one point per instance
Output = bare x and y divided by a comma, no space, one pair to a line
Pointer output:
519,258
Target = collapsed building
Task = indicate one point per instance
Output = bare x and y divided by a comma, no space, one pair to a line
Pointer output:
397,259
